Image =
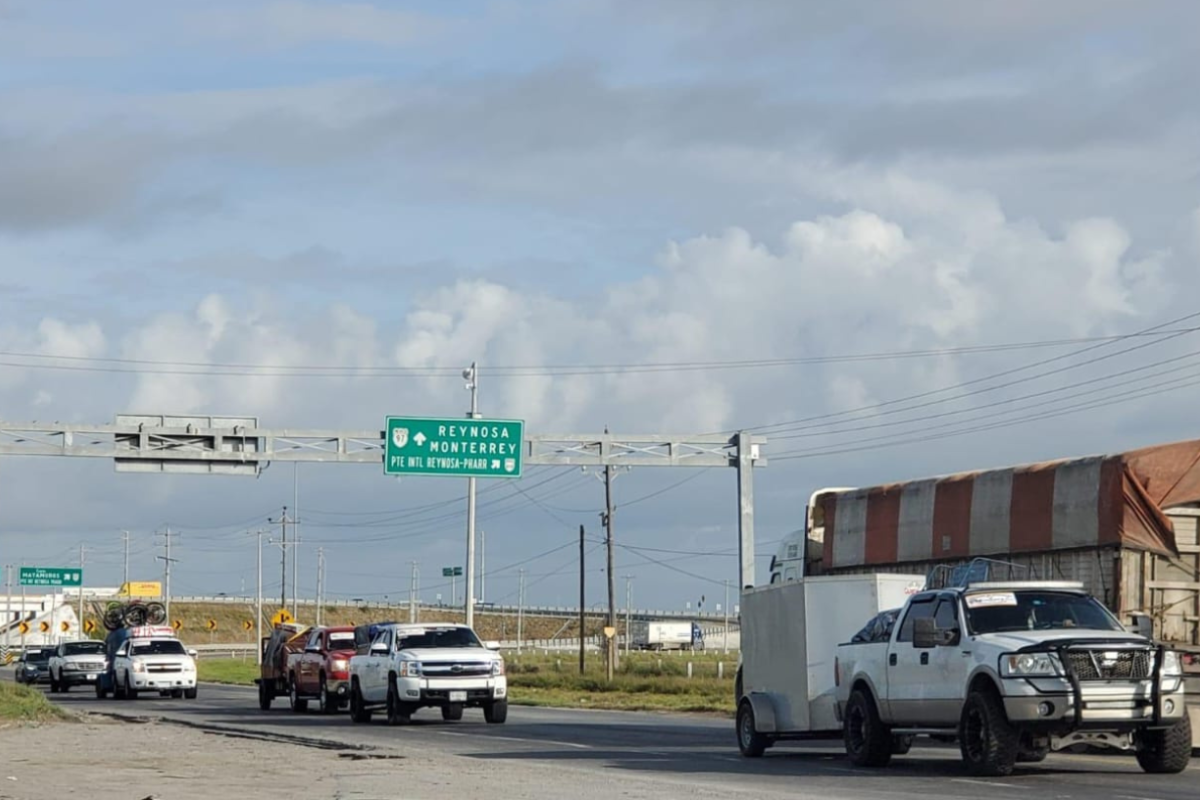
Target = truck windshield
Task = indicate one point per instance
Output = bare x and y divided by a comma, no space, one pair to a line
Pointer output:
83,648
1032,610
446,637
159,647
341,640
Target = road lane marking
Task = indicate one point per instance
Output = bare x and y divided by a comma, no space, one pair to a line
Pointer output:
1135,797
987,783
517,739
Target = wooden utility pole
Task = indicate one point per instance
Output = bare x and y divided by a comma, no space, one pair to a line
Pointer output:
582,599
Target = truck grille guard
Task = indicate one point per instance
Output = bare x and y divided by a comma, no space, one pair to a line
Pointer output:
1071,654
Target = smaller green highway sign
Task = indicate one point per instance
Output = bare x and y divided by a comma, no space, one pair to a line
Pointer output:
479,448
51,576
451,572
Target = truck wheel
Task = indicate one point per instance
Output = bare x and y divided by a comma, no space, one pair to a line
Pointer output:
264,695
988,742
496,712
101,692
298,705
751,743
190,694
397,712
868,741
452,712
1029,753
358,712
902,743
130,692
118,688
327,704
53,684
1167,750
737,687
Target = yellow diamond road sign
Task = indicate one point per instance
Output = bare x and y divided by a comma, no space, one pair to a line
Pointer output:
89,626
281,616
23,627
212,624
177,624
45,627
65,626
247,625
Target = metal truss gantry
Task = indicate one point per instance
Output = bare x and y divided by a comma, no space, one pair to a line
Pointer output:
238,446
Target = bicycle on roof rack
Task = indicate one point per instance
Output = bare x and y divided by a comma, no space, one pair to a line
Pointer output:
119,615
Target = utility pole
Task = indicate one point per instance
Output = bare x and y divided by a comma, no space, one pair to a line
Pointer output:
726,643
471,374
482,563
80,621
282,522
125,539
412,594
520,609
7,604
258,597
320,581
167,562
295,540
582,599
612,608
628,612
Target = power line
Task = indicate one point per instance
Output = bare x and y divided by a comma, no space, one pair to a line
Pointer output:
201,368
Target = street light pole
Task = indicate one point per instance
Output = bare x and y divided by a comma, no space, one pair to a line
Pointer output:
471,375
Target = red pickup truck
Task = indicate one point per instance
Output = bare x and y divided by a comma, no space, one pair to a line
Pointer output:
322,669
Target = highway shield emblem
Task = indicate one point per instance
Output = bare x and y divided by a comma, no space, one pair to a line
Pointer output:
510,464
399,436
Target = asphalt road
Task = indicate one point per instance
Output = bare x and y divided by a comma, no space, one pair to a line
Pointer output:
679,753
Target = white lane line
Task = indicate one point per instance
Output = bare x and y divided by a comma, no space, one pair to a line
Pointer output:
987,783
517,739
1135,797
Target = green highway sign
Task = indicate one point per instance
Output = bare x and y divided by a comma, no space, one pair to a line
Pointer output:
450,572
51,576
479,448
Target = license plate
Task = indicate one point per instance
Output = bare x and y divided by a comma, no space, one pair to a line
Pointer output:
91,677
458,697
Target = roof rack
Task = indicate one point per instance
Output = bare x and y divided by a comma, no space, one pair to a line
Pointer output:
977,570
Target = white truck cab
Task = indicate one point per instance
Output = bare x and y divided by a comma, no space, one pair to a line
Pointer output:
153,659
410,666
1013,670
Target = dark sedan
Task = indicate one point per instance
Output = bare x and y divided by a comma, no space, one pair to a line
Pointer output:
34,666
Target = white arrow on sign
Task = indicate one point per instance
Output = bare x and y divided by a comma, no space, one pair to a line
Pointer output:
419,439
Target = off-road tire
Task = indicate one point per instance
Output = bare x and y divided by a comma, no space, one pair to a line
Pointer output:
191,694
264,695
989,744
326,702
1166,750
751,743
452,712
902,743
358,710
298,704
868,741
1027,753
398,713
496,712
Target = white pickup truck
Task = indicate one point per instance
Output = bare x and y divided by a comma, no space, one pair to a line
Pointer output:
1012,670
75,664
410,666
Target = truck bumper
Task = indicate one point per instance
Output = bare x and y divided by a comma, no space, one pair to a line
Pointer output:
1054,705
163,681
468,691
80,678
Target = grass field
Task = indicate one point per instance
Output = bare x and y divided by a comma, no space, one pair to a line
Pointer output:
645,681
25,704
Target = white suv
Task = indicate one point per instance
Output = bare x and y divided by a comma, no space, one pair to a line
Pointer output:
159,664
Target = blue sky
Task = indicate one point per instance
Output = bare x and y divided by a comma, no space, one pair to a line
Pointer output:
581,182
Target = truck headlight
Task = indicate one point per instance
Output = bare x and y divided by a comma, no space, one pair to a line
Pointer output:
137,666
410,669
498,667
339,665
189,666
1028,665
1171,664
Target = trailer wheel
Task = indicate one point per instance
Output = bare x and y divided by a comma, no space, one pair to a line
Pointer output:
751,743
868,741
1166,751
264,695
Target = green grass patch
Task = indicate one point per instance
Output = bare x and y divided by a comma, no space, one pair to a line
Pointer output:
26,704
644,682
241,672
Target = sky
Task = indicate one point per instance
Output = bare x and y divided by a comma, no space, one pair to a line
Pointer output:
896,239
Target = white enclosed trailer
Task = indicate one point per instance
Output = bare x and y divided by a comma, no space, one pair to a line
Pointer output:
786,687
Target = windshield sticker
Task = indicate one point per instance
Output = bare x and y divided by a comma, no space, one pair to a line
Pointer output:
989,600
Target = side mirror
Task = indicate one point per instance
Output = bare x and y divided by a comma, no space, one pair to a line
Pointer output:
379,649
925,633
492,645
193,653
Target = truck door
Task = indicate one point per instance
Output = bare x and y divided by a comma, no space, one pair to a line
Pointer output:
909,671
950,665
